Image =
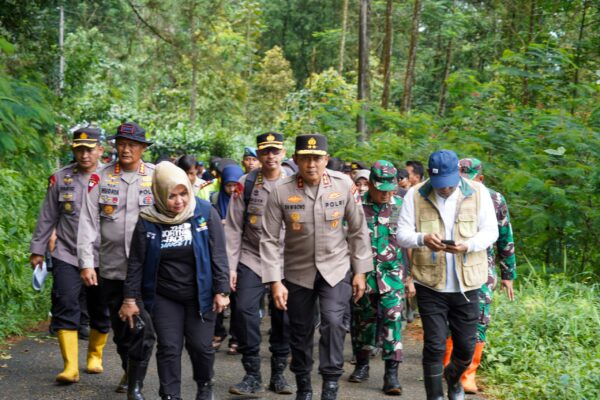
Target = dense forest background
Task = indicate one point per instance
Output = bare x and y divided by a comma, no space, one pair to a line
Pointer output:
515,83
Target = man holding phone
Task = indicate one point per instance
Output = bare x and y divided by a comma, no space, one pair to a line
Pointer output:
448,276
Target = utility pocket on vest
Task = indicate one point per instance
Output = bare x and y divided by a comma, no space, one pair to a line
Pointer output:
430,223
425,268
467,225
475,268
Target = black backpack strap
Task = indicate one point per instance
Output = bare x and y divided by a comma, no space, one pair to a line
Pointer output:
249,185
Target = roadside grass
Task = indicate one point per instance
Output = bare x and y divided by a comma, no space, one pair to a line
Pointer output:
545,344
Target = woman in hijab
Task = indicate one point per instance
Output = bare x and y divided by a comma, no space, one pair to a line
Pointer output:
178,269
229,185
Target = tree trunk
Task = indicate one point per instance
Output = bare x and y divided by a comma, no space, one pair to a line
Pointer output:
194,61
363,67
444,87
578,56
343,38
526,93
446,73
412,58
387,54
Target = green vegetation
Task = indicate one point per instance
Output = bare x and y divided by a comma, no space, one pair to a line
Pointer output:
514,83
545,344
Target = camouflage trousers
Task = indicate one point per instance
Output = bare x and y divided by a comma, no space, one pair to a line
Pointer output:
485,305
377,318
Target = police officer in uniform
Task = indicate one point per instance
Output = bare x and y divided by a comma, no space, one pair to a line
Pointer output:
318,257
243,228
60,211
116,194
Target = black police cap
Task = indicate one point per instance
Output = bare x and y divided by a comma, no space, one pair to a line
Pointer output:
314,144
269,139
131,131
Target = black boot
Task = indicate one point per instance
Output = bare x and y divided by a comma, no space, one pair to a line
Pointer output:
252,381
122,386
452,373
169,397
278,384
330,389
391,385
304,391
136,372
432,375
361,370
205,391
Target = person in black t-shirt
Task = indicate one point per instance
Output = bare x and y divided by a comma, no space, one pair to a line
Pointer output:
178,269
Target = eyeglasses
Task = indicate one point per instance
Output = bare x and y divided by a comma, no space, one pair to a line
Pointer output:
269,150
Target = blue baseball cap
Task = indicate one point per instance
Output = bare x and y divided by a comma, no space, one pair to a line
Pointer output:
443,169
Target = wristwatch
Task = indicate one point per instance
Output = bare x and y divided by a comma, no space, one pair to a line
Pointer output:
224,294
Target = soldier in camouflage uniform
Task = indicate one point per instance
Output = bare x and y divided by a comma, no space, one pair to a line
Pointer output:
383,300
471,168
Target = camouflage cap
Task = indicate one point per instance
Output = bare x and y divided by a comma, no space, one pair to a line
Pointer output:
470,168
383,176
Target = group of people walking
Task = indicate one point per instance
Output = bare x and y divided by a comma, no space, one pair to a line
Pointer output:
161,253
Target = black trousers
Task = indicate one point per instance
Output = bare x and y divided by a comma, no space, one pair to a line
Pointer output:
175,321
134,347
440,311
250,291
67,289
333,305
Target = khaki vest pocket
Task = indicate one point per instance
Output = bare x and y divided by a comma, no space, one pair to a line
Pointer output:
429,224
467,225
475,268
425,268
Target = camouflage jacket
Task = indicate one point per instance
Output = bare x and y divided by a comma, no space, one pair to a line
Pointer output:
505,245
389,267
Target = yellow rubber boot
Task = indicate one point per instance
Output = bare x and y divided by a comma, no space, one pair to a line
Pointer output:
95,348
69,348
448,354
468,377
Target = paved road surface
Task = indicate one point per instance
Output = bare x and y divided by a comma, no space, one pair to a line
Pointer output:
28,367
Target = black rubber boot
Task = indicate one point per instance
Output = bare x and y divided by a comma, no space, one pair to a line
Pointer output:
135,380
278,384
361,370
452,373
304,391
205,391
391,385
252,381
122,386
432,376
330,389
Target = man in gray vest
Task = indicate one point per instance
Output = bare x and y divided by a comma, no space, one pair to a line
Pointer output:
320,255
449,222
243,228
116,194
60,211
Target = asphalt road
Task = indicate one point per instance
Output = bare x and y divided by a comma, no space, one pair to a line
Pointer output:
28,366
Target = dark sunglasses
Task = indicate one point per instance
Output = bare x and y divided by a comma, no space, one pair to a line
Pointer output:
269,150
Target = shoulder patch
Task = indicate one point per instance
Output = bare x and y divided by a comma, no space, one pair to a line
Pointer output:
51,181
355,193
94,180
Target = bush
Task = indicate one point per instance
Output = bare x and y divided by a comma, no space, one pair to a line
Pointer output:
21,195
545,344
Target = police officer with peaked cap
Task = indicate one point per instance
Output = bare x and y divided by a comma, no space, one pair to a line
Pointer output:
116,194
243,228
60,212
319,259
